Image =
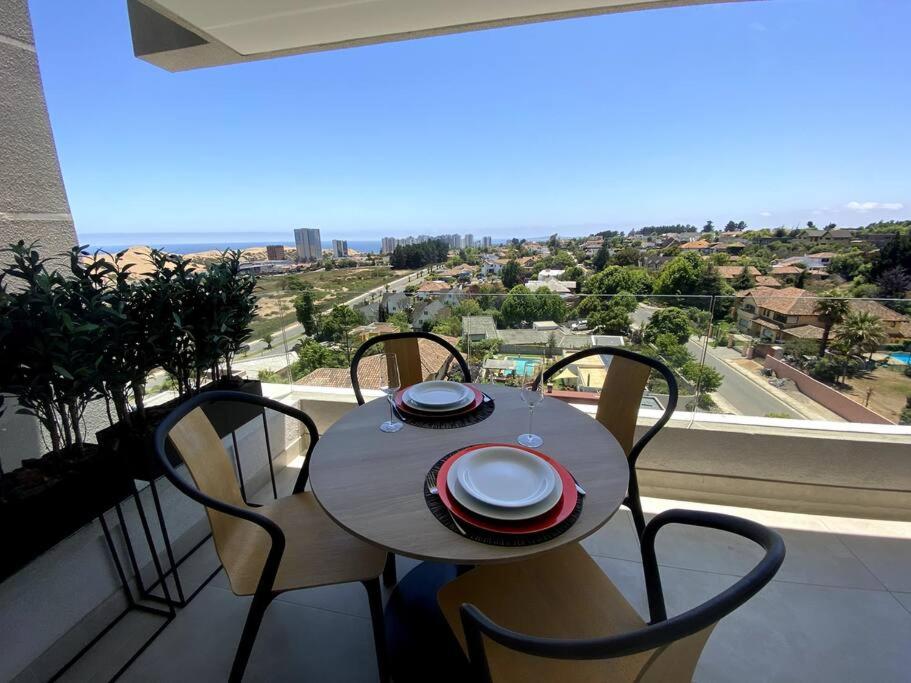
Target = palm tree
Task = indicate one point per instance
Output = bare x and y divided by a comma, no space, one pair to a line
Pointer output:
831,311
864,331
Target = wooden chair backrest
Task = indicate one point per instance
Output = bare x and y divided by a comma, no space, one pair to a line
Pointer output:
621,394
408,356
210,467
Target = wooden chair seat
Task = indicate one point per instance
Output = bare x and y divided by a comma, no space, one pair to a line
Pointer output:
317,551
561,594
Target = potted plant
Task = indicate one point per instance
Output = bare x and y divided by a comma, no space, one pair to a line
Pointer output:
51,354
188,322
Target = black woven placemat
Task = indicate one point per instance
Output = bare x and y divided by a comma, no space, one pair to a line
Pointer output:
482,536
479,414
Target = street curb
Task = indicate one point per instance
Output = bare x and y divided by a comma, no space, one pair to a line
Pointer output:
781,396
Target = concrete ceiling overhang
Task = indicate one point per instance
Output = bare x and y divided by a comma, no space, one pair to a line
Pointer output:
187,34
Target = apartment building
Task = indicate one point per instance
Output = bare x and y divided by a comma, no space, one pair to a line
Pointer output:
340,248
309,247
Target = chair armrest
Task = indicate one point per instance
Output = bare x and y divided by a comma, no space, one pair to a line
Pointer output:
661,631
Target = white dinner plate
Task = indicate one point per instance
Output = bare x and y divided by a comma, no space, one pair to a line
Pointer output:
506,477
494,512
438,395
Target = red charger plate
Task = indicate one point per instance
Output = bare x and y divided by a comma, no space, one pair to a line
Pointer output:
558,513
409,410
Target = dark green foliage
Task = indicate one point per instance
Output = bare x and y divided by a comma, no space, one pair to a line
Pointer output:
690,275
511,274
705,378
312,355
616,279
743,280
672,321
521,305
419,255
305,309
601,258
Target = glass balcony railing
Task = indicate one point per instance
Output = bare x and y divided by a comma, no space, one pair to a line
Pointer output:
741,358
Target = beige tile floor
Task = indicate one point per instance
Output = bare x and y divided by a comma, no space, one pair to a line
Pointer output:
839,609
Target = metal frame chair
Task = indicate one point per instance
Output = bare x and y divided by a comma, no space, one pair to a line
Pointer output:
406,370
660,632
623,425
265,586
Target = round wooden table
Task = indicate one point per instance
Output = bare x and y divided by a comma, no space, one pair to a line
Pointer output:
372,484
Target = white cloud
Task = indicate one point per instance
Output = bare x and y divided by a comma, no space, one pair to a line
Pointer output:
862,207
765,214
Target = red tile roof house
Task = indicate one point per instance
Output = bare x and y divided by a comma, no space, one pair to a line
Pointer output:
728,273
896,325
767,313
701,246
372,370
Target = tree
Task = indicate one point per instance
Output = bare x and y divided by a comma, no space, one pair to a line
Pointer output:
627,256
831,310
708,227
267,338
576,274
601,258
450,326
689,275
743,280
894,254
862,332
894,282
419,255
305,310
705,378
340,321
847,264
520,305
811,225
616,279
400,320
510,274
671,320
517,306
672,350
312,355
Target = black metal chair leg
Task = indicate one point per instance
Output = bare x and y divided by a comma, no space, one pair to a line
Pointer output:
635,507
248,637
379,627
389,574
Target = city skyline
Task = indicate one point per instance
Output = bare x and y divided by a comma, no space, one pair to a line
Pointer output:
773,113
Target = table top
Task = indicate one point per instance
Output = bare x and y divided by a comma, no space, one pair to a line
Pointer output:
372,483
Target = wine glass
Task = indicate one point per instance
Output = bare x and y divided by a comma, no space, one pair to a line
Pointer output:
531,397
393,382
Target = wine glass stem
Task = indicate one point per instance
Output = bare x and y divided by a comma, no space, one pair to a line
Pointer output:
531,412
391,410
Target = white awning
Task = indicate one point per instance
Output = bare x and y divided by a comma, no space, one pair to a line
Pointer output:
187,34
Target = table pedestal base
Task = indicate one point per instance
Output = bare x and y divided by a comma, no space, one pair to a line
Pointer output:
421,645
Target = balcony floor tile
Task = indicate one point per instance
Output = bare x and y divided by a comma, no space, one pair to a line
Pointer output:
814,554
294,643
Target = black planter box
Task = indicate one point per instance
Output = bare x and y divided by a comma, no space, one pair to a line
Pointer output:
135,444
49,498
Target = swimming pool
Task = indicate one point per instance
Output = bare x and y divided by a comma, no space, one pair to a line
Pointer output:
522,364
902,357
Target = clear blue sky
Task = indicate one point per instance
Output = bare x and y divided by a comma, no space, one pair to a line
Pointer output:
772,112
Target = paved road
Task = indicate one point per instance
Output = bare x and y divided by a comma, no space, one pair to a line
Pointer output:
745,396
291,333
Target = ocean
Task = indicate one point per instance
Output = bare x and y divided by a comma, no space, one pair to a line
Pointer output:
362,246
